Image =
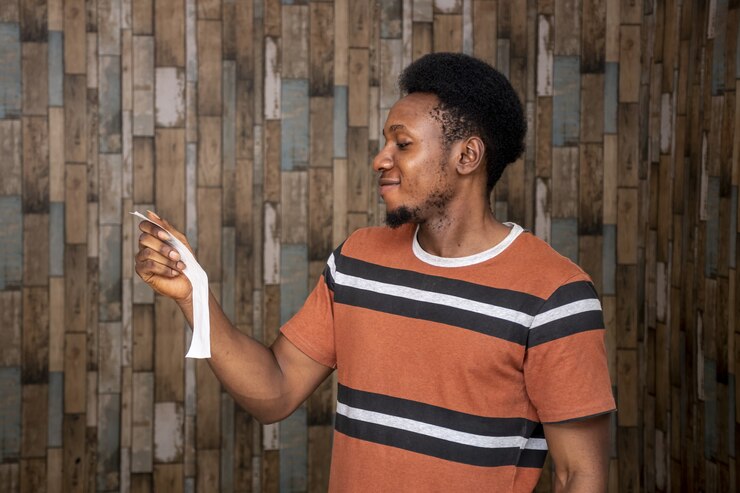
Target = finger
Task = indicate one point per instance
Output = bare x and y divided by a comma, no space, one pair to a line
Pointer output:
166,250
155,230
149,254
147,268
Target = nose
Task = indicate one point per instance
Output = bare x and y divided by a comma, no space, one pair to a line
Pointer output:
383,160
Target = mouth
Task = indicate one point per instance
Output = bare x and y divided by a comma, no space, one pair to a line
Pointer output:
387,184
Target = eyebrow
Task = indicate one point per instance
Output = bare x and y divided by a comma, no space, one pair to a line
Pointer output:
394,127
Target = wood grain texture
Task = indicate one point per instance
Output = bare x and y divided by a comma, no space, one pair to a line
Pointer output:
251,126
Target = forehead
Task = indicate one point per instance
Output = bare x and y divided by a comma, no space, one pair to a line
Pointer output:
413,111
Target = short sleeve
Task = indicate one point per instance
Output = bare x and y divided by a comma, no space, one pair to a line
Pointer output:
565,366
311,329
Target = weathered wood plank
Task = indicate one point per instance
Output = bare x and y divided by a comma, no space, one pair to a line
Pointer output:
447,32
11,241
76,132
169,432
10,409
35,164
35,336
168,358
294,129
210,47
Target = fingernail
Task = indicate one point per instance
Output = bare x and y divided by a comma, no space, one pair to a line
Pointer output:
174,255
175,273
163,235
180,265
153,214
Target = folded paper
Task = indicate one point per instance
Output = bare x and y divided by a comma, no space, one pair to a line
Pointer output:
200,346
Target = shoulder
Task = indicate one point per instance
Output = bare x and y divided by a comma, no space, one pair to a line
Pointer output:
366,241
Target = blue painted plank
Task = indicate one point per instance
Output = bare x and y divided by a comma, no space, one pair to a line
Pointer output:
712,231
293,279
565,237
56,408
109,109
56,68
109,277
609,259
293,451
611,97
566,100
11,241
10,413
10,70
340,121
294,124
56,238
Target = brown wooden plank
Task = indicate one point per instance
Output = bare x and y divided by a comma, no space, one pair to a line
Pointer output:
209,151
11,148
359,23
168,477
567,17
590,189
544,137
75,124
208,9
34,427
209,232
421,39
272,161
627,225
319,457
295,38
143,334
34,20
35,164
359,73
75,288
208,405
169,147
35,73
11,323
626,314
321,55
74,470
143,170
358,170
210,48
142,20
272,17
56,154
484,29
75,39
208,470
75,381
35,356
321,133
33,474
564,182
169,27
628,145
592,107
447,33
36,250
169,351
629,64
320,188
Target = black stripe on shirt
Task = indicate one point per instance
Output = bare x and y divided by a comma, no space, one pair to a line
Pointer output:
433,312
566,326
439,416
505,298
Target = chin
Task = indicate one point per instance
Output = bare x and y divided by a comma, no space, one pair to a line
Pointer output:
399,216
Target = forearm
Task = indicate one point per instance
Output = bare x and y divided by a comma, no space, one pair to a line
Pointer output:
245,367
580,483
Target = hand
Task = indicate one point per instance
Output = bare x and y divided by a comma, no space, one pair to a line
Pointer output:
158,264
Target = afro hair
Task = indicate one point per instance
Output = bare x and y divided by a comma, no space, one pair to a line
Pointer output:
475,99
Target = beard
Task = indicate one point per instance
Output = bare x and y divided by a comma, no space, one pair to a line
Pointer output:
400,216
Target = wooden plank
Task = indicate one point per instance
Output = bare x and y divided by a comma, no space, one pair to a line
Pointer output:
168,353
627,225
358,170
295,37
10,67
33,474
391,52
358,90
35,332
143,334
143,180
321,46
75,39
272,17
294,128
109,110
339,202
341,42
11,241
208,401
54,470
447,33
359,24
168,434
628,142
34,420
169,26
108,443
109,27
75,111
35,73
35,164
75,352
320,191
626,315
56,154
33,20
272,138
210,47
421,39
75,288
294,207
629,64
566,101
565,182
592,97
142,17
170,97
12,150
484,29
74,463
168,477
142,414
144,87
56,410
272,83
10,409
169,178
209,151
208,470
209,232
208,9
590,189
321,131
10,328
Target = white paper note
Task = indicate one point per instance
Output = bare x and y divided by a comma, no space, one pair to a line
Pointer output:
200,346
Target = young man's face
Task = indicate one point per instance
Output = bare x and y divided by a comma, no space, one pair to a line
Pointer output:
416,171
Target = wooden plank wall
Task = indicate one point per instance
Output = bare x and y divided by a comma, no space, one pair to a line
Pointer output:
251,125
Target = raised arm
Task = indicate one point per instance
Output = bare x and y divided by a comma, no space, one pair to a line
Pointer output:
269,382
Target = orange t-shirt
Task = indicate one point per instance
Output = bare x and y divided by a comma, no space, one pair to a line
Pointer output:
447,367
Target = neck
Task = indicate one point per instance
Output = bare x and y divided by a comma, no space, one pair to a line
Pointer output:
459,233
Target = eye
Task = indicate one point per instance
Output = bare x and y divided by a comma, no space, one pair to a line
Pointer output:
403,145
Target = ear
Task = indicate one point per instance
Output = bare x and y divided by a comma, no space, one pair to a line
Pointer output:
470,155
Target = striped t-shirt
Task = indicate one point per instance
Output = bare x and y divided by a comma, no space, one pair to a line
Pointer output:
447,367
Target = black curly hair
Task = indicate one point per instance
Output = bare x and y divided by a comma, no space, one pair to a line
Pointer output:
475,99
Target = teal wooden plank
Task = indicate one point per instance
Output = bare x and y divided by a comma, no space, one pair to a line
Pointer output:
109,106
56,408
11,241
109,426
611,97
10,413
293,451
566,100
293,279
10,70
56,68
56,239
294,124
340,121
710,408
711,256
609,259
564,237
733,228
109,277
391,17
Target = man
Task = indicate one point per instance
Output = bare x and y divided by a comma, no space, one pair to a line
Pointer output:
465,348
